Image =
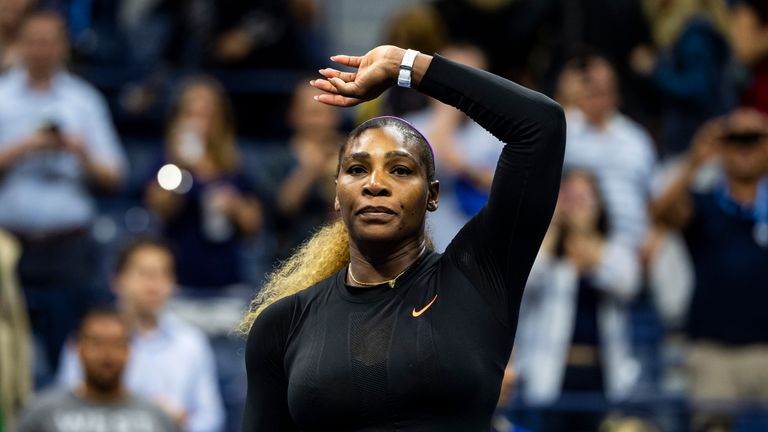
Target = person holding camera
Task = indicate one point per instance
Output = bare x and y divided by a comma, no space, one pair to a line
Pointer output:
213,208
57,143
726,231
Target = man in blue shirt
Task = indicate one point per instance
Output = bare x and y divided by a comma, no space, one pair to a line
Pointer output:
726,230
171,362
56,142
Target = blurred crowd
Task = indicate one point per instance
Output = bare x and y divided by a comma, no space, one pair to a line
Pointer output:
158,157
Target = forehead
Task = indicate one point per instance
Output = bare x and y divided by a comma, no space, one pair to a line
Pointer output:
46,25
104,326
379,141
149,255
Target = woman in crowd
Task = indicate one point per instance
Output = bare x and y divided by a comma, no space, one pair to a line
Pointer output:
573,333
366,327
211,208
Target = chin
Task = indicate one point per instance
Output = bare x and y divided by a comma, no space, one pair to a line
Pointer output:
376,233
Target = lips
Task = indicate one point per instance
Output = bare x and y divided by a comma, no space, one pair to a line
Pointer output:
375,210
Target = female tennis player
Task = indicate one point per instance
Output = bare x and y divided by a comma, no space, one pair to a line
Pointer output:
365,327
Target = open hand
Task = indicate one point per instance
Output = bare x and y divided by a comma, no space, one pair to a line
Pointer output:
375,72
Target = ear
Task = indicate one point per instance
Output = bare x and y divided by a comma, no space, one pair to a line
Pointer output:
336,205
433,196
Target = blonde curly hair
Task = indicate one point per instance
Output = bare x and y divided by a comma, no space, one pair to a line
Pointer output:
318,258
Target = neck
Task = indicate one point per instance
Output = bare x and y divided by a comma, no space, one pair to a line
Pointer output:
96,394
599,120
742,191
370,265
39,81
141,322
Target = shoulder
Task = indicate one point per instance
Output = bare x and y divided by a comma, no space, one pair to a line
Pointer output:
139,403
269,332
75,86
183,333
277,319
633,133
47,401
11,83
7,80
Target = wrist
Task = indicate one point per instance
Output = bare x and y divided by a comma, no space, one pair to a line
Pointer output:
394,56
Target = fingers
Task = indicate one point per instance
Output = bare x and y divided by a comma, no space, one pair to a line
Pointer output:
332,96
323,85
338,86
337,100
331,73
345,88
351,61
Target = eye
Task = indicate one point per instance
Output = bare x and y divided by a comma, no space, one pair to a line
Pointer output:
401,170
355,170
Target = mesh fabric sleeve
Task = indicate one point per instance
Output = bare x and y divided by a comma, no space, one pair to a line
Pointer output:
496,249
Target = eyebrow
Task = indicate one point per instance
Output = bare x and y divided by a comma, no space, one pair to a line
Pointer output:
389,155
399,153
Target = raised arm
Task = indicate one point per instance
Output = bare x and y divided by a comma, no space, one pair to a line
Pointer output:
497,248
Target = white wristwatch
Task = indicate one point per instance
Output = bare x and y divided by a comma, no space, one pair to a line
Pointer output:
406,66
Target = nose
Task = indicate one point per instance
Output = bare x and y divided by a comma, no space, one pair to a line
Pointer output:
375,187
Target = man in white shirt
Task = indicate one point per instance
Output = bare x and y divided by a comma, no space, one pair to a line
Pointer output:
171,362
56,142
618,151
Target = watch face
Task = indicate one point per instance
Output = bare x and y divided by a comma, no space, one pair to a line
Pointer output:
404,79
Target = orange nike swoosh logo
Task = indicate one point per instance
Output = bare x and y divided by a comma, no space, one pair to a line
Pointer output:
416,313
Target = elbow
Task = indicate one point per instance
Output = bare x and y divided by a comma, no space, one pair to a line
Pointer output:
554,123
553,114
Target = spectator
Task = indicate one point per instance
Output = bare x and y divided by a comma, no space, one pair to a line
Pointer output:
56,141
726,230
573,332
749,35
101,403
122,32
617,150
240,33
507,30
206,216
466,156
171,362
306,188
12,15
691,69
15,350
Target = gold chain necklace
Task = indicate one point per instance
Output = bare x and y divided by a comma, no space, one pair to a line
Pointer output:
390,282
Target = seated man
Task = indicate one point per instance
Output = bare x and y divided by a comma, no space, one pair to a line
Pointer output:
171,362
100,403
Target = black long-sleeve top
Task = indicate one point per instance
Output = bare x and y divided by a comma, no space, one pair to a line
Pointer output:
429,354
